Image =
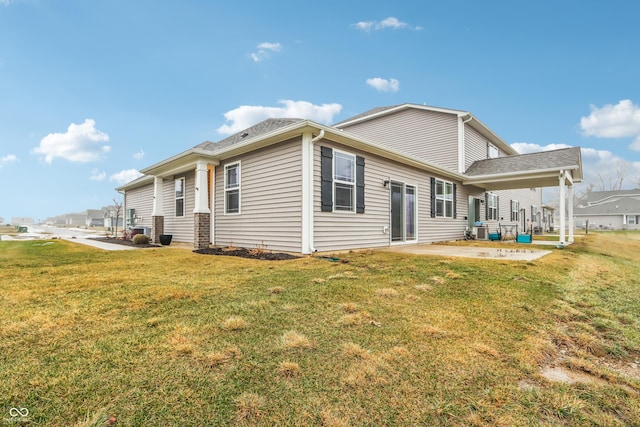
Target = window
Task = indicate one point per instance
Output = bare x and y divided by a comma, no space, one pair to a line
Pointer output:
515,210
341,181
344,182
444,199
232,188
492,207
492,151
179,184
632,219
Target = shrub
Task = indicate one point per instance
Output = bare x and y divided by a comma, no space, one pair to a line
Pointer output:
140,239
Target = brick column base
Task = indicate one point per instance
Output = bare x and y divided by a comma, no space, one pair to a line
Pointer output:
201,230
157,228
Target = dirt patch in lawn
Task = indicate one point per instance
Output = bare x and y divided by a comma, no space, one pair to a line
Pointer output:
247,253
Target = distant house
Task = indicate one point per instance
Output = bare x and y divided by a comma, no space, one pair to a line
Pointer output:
395,175
610,210
22,221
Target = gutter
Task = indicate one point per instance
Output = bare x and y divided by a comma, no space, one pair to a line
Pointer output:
309,190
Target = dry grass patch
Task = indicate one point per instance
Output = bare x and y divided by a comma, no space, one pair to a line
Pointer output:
329,419
349,307
276,290
217,358
487,350
288,369
387,293
234,323
423,287
293,340
318,280
355,350
351,319
434,331
453,275
249,408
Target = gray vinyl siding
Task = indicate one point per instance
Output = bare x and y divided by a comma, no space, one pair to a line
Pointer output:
426,135
476,146
140,199
180,227
339,231
270,200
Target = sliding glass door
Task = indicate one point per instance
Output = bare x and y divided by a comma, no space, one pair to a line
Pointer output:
403,212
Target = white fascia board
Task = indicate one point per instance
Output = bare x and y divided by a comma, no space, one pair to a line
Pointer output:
539,173
138,182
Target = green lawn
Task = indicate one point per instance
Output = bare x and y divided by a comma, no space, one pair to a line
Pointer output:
165,337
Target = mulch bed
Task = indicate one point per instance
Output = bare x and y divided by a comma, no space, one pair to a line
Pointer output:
125,242
247,253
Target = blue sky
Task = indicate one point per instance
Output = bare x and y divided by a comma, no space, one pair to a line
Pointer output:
93,91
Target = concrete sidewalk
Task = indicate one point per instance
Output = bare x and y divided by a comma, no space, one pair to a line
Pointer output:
101,245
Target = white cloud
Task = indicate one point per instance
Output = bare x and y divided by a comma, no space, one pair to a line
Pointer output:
614,121
390,22
526,147
9,158
97,175
81,143
125,176
139,155
264,51
248,115
384,85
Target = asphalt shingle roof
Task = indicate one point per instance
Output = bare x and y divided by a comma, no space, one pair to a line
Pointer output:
626,205
526,162
254,131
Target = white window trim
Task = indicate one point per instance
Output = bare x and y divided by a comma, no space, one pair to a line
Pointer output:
184,192
628,217
492,197
444,198
339,181
515,210
239,187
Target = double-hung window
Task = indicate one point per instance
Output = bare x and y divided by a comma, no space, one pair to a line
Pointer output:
232,188
179,189
515,210
492,207
444,199
632,219
344,182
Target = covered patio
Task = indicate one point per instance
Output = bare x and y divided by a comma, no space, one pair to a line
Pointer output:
558,168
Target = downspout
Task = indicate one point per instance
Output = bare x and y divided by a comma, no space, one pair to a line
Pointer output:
461,144
310,189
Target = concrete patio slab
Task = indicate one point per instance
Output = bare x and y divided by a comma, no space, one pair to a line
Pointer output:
507,253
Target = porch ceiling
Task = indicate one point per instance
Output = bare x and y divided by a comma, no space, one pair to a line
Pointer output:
513,181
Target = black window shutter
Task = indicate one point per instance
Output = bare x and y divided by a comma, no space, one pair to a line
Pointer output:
433,197
359,184
326,173
455,208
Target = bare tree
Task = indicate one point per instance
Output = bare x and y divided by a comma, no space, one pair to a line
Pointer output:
613,180
116,210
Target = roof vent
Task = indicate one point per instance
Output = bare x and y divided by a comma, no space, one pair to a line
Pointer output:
244,135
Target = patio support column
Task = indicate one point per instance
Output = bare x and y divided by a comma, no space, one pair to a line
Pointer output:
570,214
157,215
201,212
562,209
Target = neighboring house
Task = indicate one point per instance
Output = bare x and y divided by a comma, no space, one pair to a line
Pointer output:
610,210
404,174
22,220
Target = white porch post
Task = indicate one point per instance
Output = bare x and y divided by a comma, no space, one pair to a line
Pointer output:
562,209
307,193
202,189
158,208
570,214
